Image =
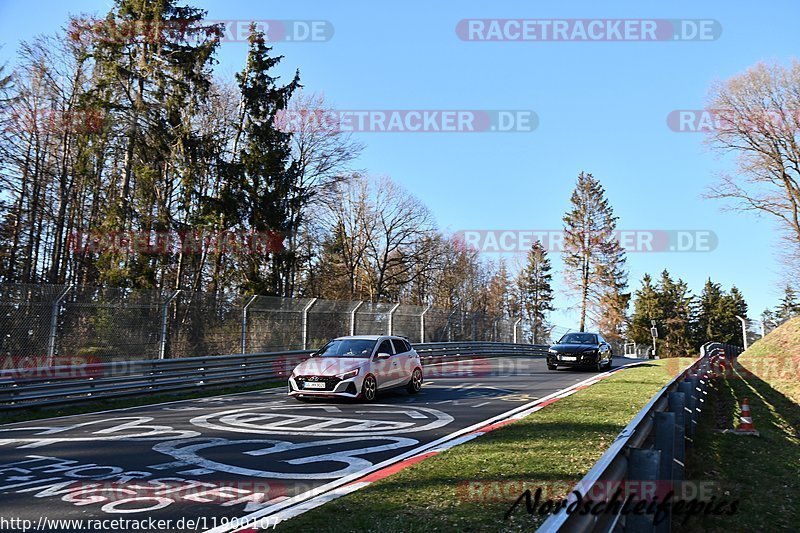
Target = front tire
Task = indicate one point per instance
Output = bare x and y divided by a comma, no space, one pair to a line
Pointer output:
415,384
369,389
552,367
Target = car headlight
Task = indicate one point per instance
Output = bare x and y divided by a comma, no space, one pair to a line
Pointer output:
551,351
348,375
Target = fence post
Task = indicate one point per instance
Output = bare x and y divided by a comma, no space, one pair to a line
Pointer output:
449,327
353,318
744,330
422,324
516,324
391,318
162,350
244,323
308,306
51,342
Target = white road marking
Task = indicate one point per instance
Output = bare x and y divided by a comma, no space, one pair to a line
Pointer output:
120,431
481,404
187,451
197,472
253,506
411,413
296,420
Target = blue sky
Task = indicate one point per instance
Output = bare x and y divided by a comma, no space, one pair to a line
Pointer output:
602,108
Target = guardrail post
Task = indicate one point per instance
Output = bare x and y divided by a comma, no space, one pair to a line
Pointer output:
422,323
51,342
244,323
162,349
353,318
687,388
664,430
643,465
516,324
391,318
698,398
677,405
308,306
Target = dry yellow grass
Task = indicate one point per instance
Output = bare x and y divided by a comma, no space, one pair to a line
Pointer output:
776,359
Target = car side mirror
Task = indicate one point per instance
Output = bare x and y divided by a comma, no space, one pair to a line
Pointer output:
384,356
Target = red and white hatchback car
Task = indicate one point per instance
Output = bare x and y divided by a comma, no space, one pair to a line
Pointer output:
358,367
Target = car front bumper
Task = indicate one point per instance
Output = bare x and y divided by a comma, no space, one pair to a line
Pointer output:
334,387
573,359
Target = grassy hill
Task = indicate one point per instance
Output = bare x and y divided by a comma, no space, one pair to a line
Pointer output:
776,359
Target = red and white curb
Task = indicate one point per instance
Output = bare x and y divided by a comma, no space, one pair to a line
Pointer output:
270,516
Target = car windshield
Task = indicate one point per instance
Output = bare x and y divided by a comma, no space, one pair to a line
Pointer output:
347,348
578,338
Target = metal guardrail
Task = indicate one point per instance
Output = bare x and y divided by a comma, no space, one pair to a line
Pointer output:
66,384
651,448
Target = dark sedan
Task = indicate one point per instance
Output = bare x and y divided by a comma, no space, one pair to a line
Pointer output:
586,350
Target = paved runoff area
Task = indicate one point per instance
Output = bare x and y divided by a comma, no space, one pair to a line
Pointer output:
202,464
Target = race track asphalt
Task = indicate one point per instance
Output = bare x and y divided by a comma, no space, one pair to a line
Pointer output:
212,459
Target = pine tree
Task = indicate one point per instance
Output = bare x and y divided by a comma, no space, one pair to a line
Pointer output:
716,315
739,304
669,303
593,257
646,307
789,306
535,292
709,325
263,174
675,302
613,322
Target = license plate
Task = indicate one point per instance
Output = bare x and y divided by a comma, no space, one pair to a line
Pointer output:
314,385
568,358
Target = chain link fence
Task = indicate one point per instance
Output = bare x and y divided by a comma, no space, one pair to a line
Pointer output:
46,324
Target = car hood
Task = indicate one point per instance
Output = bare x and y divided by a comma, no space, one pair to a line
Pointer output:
573,348
328,366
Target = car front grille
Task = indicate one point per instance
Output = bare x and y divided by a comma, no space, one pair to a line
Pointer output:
329,381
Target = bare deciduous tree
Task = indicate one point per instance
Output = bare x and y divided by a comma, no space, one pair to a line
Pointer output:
759,122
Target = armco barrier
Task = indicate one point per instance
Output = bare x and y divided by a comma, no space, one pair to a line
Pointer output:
65,384
651,448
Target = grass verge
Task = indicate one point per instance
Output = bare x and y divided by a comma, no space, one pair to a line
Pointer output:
36,413
471,486
763,473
